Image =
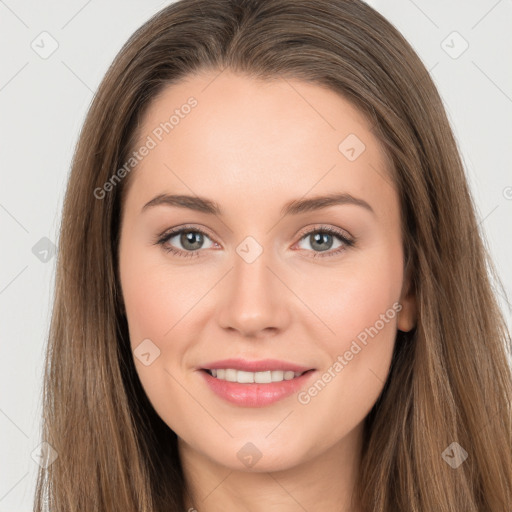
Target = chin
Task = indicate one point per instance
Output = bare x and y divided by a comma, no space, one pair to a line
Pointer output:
259,456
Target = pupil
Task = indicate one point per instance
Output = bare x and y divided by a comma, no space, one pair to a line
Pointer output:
188,238
322,238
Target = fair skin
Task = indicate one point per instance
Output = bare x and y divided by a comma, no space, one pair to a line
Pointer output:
252,147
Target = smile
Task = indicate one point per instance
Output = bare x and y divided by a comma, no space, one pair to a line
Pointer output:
254,389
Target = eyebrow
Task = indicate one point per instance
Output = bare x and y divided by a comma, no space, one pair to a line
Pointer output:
294,207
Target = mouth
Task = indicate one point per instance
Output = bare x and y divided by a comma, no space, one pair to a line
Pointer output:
255,383
260,388
246,377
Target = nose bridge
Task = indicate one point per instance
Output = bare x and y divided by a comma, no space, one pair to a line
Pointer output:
252,279
255,299
251,273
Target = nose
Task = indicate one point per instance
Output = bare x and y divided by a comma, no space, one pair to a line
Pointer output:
254,300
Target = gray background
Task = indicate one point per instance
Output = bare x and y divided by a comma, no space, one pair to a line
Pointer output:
43,101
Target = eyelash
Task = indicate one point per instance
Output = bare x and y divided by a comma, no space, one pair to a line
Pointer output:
163,239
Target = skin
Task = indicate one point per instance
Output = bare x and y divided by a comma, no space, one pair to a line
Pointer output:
251,147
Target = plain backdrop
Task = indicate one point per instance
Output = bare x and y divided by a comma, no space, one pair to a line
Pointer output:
53,56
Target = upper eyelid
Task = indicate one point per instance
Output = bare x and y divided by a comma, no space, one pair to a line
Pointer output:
324,227
176,231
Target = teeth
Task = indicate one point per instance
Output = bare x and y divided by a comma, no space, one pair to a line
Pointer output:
242,377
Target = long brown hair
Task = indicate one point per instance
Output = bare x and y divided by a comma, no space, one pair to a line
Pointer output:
449,380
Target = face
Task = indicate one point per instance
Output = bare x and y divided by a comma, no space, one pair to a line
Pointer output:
257,271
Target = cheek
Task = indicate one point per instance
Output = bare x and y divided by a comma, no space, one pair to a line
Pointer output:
156,310
353,298
359,304
147,306
156,296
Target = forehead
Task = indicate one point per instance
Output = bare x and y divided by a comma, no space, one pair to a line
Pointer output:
230,133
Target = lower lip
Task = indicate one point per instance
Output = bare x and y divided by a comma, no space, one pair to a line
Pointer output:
255,395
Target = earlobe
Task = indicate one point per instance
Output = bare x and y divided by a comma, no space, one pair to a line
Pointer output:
406,319
407,316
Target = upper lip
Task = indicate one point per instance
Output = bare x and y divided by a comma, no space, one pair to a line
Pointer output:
261,365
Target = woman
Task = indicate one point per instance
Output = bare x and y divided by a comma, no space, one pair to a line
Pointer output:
249,370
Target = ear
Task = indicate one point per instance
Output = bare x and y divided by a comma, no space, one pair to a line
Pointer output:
407,316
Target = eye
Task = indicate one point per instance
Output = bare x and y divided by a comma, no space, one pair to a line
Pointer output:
192,239
322,238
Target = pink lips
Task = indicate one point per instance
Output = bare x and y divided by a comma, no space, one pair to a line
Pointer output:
255,394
